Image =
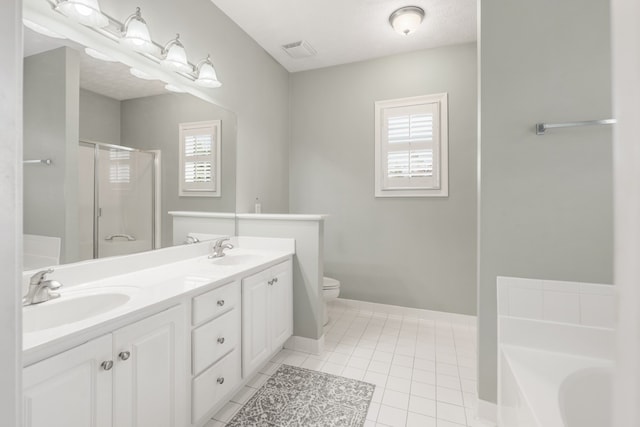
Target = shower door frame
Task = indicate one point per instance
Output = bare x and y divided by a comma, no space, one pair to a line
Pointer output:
155,191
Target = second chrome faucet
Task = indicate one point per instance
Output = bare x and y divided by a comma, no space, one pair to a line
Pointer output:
218,247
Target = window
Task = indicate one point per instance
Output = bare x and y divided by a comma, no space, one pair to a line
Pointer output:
200,159
411,147
119,167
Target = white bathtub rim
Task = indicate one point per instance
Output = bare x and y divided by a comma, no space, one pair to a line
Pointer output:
540,385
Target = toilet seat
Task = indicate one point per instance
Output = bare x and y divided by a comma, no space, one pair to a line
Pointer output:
330,283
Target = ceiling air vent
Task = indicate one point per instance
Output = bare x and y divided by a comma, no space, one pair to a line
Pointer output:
298,50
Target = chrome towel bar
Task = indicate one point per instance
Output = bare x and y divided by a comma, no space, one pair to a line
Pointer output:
541,128
47,162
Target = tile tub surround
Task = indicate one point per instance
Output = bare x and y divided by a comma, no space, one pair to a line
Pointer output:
423,364
547,332
153,280
586,304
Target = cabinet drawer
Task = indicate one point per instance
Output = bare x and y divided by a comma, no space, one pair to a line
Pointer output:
213,303
215,338
214,384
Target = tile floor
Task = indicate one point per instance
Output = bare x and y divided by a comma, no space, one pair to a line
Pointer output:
424,367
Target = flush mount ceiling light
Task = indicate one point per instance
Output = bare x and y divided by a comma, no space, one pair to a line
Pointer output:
175,57
86,12
41,29
406,19
206,74
136,34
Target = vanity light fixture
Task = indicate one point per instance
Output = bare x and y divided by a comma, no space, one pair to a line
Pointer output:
174,57
141,74
206,74
172,88
136,34
86,12
98,55
41,29
406,19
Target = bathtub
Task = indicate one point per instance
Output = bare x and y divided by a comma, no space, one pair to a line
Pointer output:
556,343
552,389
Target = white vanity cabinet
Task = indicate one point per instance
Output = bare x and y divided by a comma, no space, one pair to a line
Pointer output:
149,383
132,377
267,315
215,349
71,389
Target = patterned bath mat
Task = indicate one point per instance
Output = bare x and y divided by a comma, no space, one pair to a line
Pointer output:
300,397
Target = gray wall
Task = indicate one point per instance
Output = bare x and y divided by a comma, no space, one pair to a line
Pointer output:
415,252
11,214
255,86
546,201
51,81
99,118
151,123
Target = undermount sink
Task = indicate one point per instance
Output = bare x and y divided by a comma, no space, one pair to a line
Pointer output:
233,260
69,308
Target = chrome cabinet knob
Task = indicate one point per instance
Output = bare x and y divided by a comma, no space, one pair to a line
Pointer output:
124,355
221,340
107,365
220,380
220,302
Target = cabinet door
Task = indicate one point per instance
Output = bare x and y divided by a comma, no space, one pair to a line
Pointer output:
281,305
71,389
255,322
149,383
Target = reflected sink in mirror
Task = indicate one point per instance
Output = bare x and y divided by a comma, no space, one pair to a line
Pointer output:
70,308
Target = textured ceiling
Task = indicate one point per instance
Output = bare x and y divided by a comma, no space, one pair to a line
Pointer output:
111,79
344,31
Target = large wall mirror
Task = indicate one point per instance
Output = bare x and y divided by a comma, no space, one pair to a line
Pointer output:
102,155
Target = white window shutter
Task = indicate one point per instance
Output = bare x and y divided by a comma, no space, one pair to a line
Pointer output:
200,159
411,147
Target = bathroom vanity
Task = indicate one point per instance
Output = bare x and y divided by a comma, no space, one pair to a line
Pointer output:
163,345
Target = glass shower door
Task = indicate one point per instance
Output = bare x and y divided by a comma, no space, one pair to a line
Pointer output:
125,215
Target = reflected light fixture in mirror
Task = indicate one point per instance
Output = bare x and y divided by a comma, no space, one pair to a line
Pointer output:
41,29
86,12
98,55
136,34
206,74
172,88
406,19
175,57
141,74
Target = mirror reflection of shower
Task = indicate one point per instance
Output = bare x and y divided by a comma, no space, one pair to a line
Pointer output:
117,202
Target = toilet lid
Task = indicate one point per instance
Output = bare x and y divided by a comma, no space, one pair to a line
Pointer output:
330,283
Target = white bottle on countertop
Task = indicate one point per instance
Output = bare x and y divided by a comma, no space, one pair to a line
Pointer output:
258,207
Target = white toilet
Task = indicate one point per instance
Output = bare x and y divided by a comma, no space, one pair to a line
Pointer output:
330,291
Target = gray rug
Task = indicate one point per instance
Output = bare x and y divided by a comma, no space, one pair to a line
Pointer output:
300,397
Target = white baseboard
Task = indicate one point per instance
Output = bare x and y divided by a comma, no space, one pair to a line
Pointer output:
307,345
487,412
399,311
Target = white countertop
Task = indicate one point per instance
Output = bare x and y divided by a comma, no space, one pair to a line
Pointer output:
283,217
194,214
150,290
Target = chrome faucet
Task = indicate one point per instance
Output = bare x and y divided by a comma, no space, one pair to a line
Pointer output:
191,240
217,248
39,288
